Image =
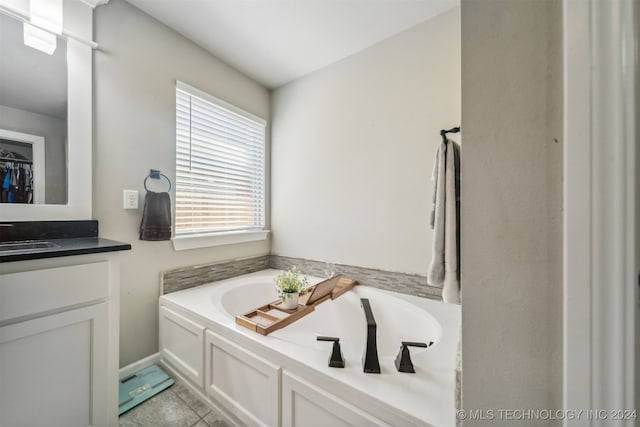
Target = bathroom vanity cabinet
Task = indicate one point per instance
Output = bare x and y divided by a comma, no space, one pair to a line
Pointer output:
59,341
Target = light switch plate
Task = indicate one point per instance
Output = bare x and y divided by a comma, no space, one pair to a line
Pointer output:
130,199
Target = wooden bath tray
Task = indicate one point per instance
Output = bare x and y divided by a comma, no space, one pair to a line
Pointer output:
271,317
342,286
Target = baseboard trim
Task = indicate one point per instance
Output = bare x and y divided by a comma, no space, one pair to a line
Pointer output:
140,364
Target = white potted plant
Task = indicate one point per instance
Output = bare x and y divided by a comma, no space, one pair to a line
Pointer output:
289,285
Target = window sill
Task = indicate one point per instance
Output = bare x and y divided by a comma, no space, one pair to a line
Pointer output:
182,243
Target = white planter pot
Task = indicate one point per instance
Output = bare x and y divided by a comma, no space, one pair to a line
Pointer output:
289,300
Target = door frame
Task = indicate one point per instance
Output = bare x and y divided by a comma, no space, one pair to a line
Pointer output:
599,262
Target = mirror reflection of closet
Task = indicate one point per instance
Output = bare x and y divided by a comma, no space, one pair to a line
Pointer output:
20,155
33,119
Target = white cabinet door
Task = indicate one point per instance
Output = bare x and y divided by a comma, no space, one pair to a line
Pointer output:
53,370
245,384
182,345
305,405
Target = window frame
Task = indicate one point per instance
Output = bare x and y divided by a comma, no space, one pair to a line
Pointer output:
218,238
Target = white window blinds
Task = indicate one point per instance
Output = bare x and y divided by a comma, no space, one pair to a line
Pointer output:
220,172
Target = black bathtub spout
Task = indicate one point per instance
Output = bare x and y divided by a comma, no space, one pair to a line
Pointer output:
370,363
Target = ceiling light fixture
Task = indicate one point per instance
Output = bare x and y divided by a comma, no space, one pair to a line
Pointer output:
46,23
39,39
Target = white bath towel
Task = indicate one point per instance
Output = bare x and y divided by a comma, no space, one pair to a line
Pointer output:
436,269
444,268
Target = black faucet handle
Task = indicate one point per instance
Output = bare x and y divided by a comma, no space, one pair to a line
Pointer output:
334,339
417,344
335,360
403,359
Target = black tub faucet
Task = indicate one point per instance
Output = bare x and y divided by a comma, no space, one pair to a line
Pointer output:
403,359
370,362
336,360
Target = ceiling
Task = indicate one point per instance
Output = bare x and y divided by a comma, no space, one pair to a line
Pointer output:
277,41
29,79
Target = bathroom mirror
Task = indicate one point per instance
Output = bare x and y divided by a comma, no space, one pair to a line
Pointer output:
33,119
45,125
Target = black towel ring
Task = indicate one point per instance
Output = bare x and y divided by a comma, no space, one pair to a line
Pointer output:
155,174
444,133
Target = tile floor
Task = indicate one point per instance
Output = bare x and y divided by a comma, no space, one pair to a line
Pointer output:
176,406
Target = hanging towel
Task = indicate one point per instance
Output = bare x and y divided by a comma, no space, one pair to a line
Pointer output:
445,222
156,217
436,269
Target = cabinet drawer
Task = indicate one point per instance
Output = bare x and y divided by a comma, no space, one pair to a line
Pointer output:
40,291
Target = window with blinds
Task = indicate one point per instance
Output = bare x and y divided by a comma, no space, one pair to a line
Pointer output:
220,166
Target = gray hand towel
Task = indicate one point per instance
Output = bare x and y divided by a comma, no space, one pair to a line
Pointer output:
435,274
445,221
156,217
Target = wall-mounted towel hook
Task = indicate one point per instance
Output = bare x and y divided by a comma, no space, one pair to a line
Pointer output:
156,174
444,133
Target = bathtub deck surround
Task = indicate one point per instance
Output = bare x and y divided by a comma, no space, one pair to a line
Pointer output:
189,277
288,368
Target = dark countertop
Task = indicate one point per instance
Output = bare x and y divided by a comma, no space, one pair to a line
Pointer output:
76,237
67,247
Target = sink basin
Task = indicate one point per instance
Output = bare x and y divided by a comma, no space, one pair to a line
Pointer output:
26,246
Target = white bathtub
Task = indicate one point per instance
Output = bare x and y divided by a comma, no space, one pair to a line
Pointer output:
283,378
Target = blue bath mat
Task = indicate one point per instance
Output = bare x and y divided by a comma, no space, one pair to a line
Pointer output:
142,385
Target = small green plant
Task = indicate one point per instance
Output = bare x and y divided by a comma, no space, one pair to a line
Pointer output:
290,282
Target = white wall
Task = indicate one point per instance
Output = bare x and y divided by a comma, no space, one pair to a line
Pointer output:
353,147
134,111
54,131
512,205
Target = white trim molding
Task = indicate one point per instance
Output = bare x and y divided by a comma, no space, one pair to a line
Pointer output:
599,208
139,365
195,241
